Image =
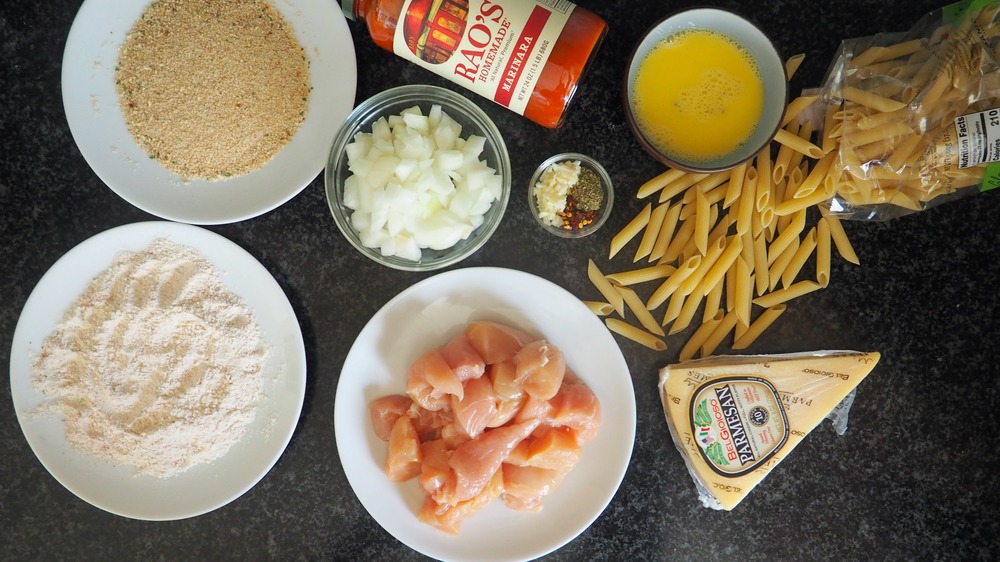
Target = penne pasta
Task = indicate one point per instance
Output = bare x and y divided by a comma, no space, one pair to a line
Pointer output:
673,282
679,185
652,230
790,233
796,107
815,177
780,263
701,224
666,233
763,179
713,300
640,311
804,251
763,322
761,280
714,275
678,242
630,230
599,308
735,185
686,314
840,240
784,295
823,252
730,283
793,63
699,336
636,276
605,288
673,308
870,100
722,329
635,334
658,183
829,142
796,204
780,167
694,280
747,199
742,291
798,144
805,132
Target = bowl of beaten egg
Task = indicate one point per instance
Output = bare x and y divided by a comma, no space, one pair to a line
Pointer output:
418,178
705,90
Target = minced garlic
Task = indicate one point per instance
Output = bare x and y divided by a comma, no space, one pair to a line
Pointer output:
553,187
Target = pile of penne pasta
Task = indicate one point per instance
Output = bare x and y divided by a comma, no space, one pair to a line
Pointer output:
893,107
725,251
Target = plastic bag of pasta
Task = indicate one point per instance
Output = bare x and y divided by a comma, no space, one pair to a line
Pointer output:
915,116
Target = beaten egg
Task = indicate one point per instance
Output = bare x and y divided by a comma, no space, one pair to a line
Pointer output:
698,96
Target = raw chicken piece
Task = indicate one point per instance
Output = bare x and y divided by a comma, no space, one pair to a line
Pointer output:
577,407
536,409
384,412
430,380
463,358
495,342
436,474
505,382
506,410
449,517
429,423
554,448
475,461
453,435
525,486
405,458
540,367
477,408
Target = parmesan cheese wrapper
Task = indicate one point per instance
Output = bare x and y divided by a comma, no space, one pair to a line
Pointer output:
734,418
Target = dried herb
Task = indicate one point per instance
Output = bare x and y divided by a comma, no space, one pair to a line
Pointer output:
588,190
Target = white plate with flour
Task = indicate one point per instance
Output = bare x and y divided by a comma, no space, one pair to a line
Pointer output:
427,315
98,125
203,487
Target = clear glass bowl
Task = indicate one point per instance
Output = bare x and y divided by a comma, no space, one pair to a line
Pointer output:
391,102
602,213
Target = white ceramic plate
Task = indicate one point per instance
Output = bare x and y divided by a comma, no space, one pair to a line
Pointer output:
203,487
99,130
426,315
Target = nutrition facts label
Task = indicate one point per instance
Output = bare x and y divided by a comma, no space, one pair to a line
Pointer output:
978,138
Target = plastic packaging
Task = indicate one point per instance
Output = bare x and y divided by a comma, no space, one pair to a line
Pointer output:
734,418
916,114
526,55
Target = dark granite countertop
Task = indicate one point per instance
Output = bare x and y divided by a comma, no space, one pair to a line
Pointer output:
914,478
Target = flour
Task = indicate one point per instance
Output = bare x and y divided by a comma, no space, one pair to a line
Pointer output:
156,365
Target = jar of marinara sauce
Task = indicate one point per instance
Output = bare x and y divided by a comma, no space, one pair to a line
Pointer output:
526,55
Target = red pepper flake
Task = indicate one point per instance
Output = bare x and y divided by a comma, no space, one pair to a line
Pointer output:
573,218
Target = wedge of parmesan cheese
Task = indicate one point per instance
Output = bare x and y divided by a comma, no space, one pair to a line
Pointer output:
734,418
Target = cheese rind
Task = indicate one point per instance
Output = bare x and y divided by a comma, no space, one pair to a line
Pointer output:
734,418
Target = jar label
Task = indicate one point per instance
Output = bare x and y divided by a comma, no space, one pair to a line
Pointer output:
738,423
496,49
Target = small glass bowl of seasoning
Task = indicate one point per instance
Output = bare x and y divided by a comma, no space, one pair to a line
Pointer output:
570,195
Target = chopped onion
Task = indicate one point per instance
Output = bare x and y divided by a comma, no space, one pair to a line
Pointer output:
416,183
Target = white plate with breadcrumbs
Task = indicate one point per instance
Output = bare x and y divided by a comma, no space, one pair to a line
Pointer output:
98,125
203,487
427,315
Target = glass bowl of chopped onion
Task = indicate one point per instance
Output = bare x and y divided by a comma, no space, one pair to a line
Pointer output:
570,195
418,178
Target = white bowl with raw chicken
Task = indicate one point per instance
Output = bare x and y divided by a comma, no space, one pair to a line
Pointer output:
418,178
432,315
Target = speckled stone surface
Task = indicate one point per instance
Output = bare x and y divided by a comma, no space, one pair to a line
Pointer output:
914,478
